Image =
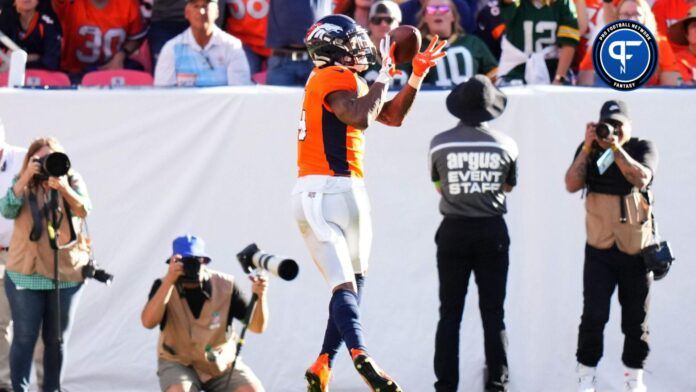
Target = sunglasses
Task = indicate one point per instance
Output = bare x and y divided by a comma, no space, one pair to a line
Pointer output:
376,20
437,9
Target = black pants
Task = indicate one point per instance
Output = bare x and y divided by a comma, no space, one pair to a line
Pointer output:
604,270
465,245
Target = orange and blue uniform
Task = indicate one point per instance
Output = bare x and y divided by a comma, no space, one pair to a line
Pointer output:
327,146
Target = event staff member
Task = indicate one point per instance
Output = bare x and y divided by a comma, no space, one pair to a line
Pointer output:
619,225
194,307
473,166
30,267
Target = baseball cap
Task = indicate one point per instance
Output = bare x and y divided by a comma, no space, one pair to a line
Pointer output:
189,246
388,7
614,110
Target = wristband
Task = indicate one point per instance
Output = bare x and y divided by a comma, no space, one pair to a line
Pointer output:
415,81
614,148
384,77
586,148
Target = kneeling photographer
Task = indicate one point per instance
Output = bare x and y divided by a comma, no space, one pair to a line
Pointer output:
48,202
194,307
616,170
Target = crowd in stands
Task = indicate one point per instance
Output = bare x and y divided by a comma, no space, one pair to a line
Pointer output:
239,42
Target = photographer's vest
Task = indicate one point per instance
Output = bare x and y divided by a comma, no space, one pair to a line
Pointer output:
184,338
28,257
621,220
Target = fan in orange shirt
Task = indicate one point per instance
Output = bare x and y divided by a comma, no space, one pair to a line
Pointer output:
668,12
329,201
666,73
247,20
98,34
683,33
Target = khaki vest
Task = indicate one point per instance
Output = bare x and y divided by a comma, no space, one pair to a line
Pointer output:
604,226
28,257
184,338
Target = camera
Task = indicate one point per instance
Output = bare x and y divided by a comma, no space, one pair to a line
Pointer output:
605,129
192,270
92,271
252,257
55,164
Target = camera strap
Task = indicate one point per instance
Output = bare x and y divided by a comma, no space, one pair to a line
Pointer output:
37,227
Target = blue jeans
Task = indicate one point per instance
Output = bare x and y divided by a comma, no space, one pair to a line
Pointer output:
254,59
282,71
34,310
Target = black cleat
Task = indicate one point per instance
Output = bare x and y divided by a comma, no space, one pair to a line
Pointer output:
374,376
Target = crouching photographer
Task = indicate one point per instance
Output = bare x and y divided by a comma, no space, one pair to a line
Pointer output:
616,170
194,307
48,202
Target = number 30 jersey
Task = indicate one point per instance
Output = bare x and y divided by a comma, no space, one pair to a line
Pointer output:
93,35
327,146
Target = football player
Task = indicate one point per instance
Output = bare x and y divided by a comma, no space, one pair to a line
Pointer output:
330,202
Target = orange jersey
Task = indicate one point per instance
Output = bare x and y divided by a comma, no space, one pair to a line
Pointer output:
668,12
247,20
327,146
686,63
91,36
665,60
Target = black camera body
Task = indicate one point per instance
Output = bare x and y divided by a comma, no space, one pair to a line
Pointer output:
92,271
604,129
192,270
55,164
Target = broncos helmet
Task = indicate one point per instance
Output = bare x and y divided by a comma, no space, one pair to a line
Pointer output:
339,40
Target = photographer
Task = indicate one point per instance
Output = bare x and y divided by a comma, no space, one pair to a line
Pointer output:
30,289
619,226
194,307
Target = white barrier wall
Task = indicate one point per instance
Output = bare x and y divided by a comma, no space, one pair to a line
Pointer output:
221,163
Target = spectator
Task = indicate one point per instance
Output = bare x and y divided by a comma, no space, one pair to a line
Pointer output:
668,12
167,21
684,33
490,26
545,56
99,34
359,10
385,16
288,22
597,13
248,20
203,55
411,8
30,286
466,55
36,33
666,74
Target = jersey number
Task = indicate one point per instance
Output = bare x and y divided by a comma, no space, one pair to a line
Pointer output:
547,32
95,42
302,128
257,9
460,64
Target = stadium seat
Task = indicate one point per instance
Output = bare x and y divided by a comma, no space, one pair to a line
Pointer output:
117,78
38,77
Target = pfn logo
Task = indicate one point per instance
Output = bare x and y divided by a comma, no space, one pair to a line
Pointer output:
621,55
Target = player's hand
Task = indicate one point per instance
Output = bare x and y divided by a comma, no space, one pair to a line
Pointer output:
176,269
259,285
386,51
427,59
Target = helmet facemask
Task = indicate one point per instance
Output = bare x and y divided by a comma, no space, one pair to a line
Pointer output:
361,49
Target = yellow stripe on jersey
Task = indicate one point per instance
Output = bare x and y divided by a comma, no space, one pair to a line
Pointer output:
568,32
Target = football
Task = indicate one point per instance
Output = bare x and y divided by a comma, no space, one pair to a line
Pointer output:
408,42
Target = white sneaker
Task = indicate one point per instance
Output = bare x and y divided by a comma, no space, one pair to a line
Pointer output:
587,379
633,380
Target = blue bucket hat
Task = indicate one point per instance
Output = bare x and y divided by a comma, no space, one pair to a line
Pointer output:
189,246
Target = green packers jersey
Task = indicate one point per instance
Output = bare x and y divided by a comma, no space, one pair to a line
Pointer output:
531,27
466,56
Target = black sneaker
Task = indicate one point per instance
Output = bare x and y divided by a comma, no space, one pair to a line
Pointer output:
374,376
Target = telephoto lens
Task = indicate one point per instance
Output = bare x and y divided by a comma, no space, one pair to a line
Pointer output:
604,130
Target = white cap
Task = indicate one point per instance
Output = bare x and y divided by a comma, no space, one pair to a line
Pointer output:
386,7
